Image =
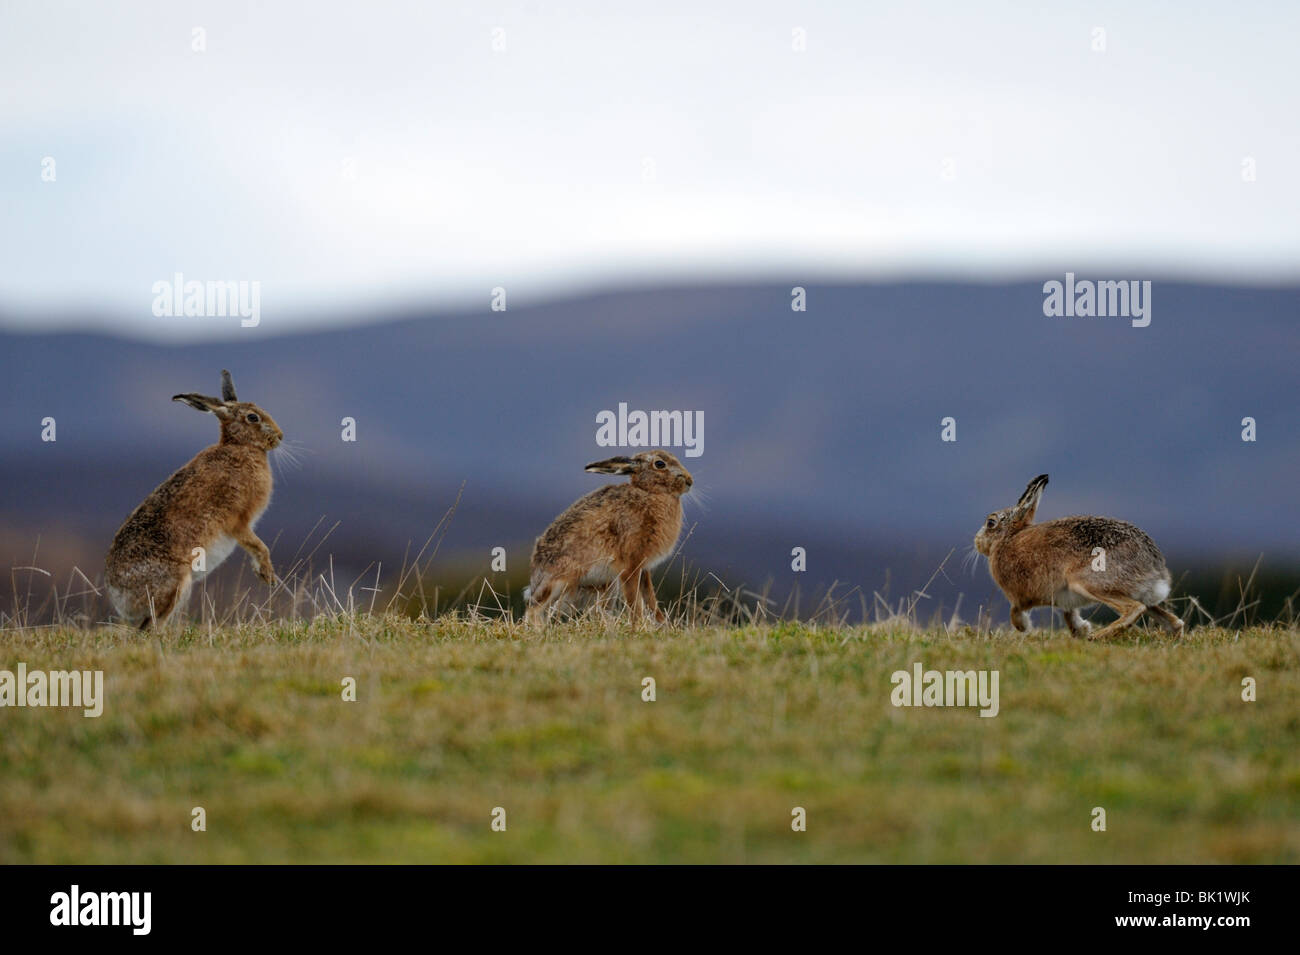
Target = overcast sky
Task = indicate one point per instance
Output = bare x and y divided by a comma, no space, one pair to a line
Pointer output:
348,156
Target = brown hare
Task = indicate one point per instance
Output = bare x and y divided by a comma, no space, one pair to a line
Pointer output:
211,503
1073,562
617,532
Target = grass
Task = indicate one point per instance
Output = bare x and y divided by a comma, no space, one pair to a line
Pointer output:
456,716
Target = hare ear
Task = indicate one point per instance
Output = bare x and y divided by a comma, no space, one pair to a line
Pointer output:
204,403
619,465
1028,503
227,387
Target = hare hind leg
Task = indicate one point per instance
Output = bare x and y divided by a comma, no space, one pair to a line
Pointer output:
1170,619
1126,607
1078,626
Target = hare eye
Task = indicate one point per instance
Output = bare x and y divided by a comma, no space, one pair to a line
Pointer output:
659,465
253,418
991,522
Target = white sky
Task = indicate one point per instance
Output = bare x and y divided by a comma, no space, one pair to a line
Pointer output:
525,168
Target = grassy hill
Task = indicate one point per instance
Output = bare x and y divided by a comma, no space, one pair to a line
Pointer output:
455,717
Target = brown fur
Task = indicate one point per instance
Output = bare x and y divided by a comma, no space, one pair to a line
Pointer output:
1051,564
218,495
621,531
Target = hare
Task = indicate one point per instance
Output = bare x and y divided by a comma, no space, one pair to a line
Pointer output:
212,502
618,531
1073,562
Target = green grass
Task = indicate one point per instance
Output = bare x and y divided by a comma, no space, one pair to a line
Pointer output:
454,718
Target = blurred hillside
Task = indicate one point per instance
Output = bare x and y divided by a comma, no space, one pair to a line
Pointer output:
822,428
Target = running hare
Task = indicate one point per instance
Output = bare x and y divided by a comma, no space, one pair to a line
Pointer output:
1073,562
212,502
619,531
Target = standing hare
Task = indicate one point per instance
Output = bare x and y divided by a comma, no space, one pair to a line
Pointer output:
1074,562
617,531
211,503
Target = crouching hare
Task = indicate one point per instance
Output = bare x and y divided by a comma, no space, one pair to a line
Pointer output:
619,531
212,502
1073,562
